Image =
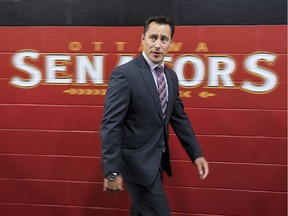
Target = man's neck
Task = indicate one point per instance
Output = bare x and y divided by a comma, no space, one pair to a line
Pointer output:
151,64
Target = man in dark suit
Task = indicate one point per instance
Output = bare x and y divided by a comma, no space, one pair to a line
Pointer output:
142,99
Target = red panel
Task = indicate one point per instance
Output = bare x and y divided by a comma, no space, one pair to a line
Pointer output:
238,122
60,193
241,149
57,210
217,122
51,117
43,210
231,176
234,39
49,95
267,150
27,210
182,199
70,143
57,39
51,168
227,202
223,175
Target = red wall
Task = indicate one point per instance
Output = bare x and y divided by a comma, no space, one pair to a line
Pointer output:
50,160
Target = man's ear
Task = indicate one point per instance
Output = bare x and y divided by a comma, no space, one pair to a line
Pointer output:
142,39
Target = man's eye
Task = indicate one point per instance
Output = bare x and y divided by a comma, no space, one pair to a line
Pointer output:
164,40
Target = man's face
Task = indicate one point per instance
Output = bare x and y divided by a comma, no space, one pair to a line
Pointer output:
156,42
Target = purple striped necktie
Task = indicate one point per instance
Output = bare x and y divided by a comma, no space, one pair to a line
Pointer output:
162,88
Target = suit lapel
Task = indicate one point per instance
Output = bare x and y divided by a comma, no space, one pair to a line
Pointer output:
150,83
149,80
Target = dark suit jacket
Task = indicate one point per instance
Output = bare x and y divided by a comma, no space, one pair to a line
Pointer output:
133,129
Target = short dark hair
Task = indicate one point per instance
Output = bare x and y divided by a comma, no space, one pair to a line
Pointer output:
161,20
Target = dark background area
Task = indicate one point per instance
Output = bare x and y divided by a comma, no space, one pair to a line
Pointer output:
134,12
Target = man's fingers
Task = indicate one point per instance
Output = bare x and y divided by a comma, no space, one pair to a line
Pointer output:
105,187
200,170
202,166
203,176
112,187
203,171
113,191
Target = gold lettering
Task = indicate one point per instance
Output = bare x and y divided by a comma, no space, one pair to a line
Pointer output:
175,47
75,46
97,46
202,47
120,46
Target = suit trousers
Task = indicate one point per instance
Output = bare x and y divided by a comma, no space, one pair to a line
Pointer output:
149,200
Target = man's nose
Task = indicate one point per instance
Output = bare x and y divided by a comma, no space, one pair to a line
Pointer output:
157,43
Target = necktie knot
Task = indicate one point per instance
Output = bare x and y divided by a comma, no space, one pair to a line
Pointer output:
160,69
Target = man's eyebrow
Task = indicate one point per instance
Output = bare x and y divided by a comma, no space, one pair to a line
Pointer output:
157,35
164,35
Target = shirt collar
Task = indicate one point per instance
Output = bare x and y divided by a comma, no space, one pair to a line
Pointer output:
150,63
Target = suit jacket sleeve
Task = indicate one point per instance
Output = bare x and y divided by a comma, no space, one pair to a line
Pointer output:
115,108
183,128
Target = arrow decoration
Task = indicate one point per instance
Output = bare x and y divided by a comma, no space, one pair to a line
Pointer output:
73,91
206,94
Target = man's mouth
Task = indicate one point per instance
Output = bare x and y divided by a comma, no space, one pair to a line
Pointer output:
157,53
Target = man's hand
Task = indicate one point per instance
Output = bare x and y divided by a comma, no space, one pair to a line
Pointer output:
113,187
202,166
